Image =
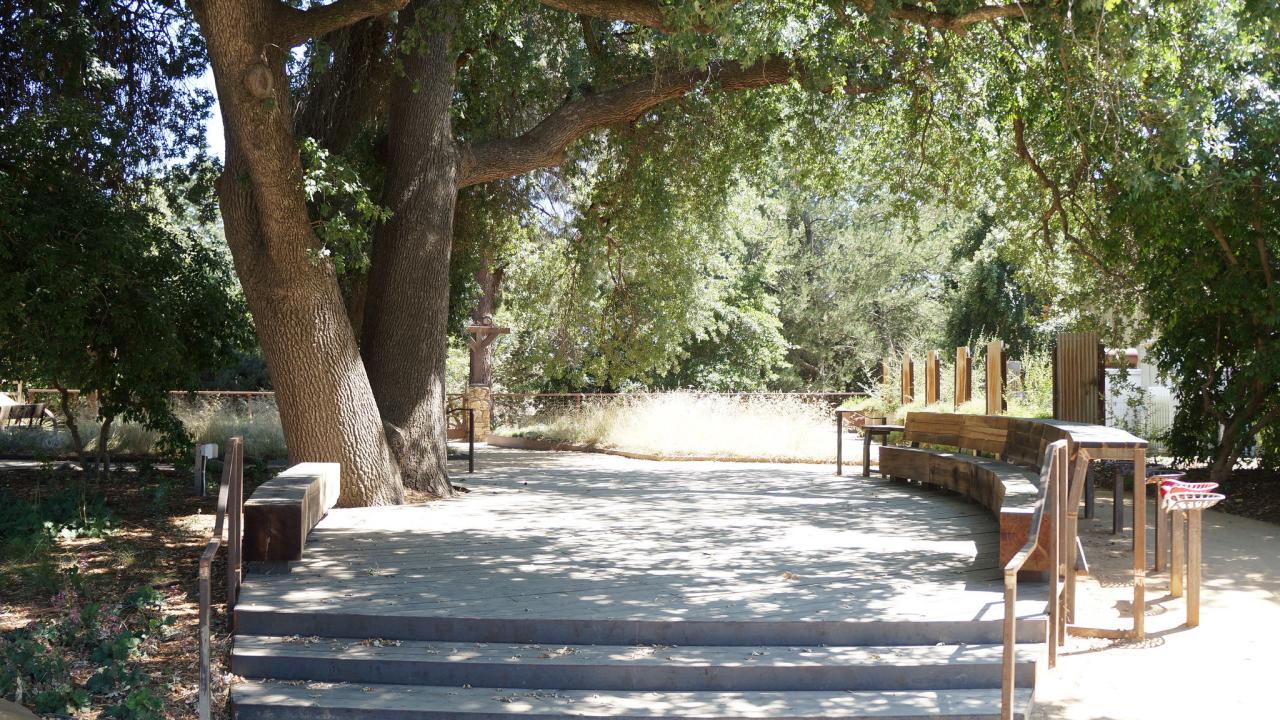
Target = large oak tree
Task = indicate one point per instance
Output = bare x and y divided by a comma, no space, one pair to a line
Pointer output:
369,394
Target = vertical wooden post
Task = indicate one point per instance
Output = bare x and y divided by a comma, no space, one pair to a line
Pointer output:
1080,469
932,377
1179,521
908,379
1193,567
964,376
995,377
1139,542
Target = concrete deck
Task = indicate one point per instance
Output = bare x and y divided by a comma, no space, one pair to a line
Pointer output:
560,536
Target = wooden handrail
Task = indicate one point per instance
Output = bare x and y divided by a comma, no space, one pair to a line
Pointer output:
230,508
1052,497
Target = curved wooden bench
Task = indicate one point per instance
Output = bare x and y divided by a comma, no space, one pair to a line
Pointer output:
1007,485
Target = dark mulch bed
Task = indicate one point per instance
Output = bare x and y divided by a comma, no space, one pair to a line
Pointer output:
1250,493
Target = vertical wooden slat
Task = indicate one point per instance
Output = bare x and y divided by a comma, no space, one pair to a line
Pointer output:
932,377
1078,378
908,379
995,377
964,376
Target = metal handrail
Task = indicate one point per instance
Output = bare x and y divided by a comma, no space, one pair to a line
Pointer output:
230,507
1053,473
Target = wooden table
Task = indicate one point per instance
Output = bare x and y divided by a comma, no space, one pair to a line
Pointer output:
867,432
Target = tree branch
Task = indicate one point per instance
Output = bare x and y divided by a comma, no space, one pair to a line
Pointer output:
294,26
953,22
1055,195
544,145
649,13
1222,241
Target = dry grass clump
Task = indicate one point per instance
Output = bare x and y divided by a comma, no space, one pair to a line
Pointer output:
695,425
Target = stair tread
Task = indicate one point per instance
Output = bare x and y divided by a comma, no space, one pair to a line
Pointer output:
425,701
635,655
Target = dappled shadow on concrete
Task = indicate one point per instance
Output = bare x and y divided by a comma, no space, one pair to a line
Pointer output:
564,535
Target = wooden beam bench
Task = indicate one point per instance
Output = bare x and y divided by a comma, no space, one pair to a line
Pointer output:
1007,482
283,510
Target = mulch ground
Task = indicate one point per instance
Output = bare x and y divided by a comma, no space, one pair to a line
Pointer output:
159,529
1253,494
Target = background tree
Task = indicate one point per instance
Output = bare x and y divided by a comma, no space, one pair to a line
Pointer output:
100,297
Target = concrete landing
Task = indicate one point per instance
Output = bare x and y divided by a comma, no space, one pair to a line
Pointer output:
569,536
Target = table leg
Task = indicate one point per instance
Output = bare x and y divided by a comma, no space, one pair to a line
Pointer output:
839,444
1117,511
866,453
1139,543
1073,531
1090,494
1177,565
1193,568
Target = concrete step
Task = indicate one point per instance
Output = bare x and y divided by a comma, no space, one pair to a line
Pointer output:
257,619
628,668
276,700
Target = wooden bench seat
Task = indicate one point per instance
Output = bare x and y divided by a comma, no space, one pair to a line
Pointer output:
1008,484
283,510
1009,491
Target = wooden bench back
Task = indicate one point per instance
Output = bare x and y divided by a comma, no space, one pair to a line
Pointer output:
985,433
1021,441
929,428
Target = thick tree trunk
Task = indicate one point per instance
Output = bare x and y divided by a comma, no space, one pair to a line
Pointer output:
407,306
323,393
